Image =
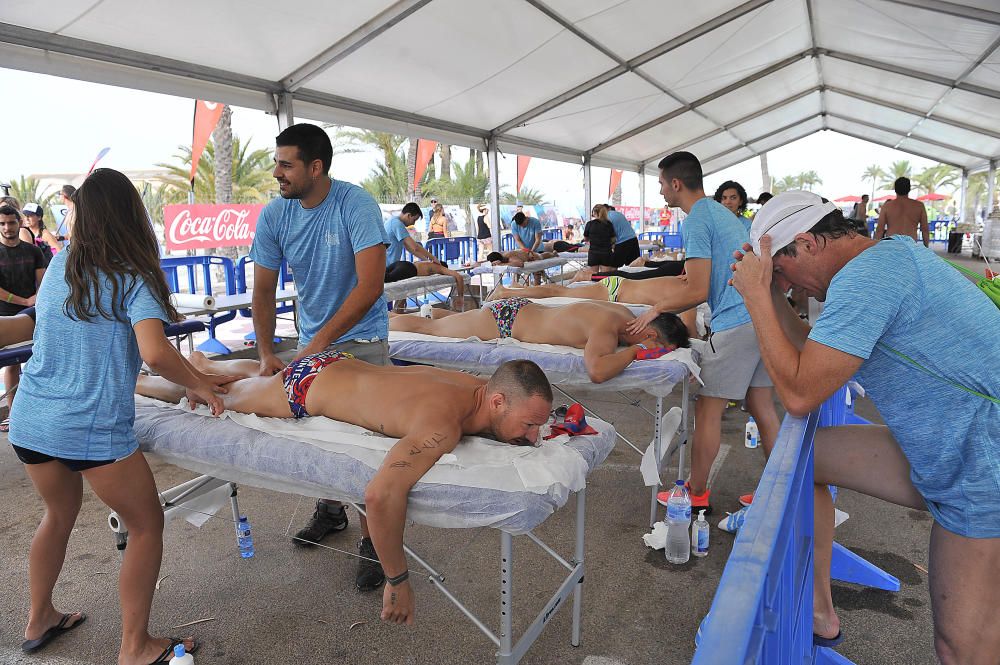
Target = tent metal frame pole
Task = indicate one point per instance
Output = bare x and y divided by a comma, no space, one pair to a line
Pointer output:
991,187
624,66
352,42
757,154
756,139
889,145
874,125
965,195
642,197
586,189
492,164
953,9
284,102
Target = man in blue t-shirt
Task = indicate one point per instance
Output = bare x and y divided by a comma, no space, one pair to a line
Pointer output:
397,231
921,339
731,367
331,235
527,232
626,249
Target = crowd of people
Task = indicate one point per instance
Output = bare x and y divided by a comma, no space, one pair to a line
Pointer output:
106,296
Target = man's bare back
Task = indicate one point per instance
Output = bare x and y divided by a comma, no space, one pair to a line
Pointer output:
632,291
902,216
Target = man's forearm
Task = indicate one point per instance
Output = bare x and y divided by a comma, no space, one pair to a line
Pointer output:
386,521
780,356
355,306
263,308
609,366
794,328
679,297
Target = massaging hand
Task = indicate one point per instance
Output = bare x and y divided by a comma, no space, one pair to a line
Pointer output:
270,365
208,392
397,603
752,273
638,324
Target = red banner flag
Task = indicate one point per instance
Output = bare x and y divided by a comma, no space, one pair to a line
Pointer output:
206,117
522,167
204,225
425,152
616,179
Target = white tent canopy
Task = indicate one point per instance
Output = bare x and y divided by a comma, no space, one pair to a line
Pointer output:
622,83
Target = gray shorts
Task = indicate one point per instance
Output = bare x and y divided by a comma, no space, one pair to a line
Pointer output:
731,363
375,353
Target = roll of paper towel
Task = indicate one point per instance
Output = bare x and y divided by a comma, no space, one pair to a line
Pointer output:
192,300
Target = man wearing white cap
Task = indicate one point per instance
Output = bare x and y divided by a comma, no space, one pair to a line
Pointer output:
922,341
731,368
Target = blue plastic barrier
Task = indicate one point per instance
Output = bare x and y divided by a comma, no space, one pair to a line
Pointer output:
457,249
201,266
667,239
284,280
554,233
507,242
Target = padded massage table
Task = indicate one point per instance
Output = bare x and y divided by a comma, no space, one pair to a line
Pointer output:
563,366
483,483
529,268
419,286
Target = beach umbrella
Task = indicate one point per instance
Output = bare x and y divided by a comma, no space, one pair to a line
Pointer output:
848,199
933,196
884,197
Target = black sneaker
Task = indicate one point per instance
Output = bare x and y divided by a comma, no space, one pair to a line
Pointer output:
326,520
370,573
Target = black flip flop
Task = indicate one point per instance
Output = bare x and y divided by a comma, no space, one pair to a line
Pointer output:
828,642
31,646
168,653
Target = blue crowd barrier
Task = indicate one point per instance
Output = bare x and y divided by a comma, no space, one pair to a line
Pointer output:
284,280
198,271
457,249
507,242
667,239
553,233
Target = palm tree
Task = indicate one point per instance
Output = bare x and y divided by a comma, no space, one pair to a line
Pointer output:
28,189
361,140
933,178
525,196
808,179
468,186
445,151
785,184
875,173
222,140
162,195
765,175
252,180
413,193
387,182
898,169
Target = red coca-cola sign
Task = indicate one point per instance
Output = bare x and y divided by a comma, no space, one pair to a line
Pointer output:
204,225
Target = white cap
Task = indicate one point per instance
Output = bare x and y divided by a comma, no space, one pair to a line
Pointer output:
787,215
32,209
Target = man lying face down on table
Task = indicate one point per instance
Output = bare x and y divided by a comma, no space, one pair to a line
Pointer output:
596,327
432,409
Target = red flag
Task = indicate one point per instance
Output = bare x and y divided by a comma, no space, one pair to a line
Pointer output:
425,152
522,167
616,179
206,117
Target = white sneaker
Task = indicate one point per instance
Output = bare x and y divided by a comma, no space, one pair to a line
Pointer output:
734,521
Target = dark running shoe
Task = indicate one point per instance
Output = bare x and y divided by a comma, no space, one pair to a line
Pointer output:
326,520
370,573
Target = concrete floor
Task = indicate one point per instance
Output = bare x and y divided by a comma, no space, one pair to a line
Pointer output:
289,605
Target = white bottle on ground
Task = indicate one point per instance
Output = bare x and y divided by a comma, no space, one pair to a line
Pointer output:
752,437
181,657
699,536
425,311
678,520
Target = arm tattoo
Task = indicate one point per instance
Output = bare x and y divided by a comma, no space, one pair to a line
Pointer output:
400,465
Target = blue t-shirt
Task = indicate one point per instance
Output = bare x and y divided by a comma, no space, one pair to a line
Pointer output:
623,229
76,398
711,231
319,244
899,294
396,231
527,232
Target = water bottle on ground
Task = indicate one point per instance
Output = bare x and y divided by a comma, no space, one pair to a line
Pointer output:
678,549
244,538
425,311
752,435
181,657
699,536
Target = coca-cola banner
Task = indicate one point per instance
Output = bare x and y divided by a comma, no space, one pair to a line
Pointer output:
207,225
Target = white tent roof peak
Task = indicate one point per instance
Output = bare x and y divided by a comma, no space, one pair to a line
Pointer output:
622,83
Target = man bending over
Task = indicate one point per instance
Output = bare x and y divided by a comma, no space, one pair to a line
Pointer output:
597,328
432,409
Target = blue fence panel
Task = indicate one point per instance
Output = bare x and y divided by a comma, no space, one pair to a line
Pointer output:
455,250
507,242
552,234
284,281
669,240
193,268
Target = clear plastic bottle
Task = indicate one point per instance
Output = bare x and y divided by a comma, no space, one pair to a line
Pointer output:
752,438
678,520
699,536
244,538
426,311
181,657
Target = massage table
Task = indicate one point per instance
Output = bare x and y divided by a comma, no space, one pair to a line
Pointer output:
529,268
421,286
482,483
565,366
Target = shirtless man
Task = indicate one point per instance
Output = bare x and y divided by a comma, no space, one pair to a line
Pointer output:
432,409
902,215
613,289
401,270
597,328
517,257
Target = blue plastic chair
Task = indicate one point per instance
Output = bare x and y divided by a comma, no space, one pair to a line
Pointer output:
284,279
198,271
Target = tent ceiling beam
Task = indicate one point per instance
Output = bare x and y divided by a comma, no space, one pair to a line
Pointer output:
762,137
883,128
910,73
912,111
953,9
704,100
624,66
362,35
889,145
80,48
735,123
758,154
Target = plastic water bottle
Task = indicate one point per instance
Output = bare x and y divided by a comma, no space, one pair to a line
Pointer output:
425,311
244,538
699,536
678,549
752,435
181,657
